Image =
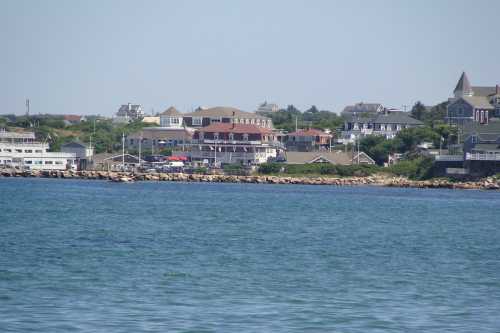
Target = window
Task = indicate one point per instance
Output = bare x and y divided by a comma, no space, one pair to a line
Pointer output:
28,162
48,162
28,151
8,150
216,136
174,120
215,120
38,151
245,137
231,136
19,150
197,121
59,162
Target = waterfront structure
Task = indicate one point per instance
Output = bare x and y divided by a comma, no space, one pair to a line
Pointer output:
22,151
121,162
129,112
246,144
83,153
362,108
386,124
205,117
171,118
477,104
308,140
267,108
332,157
157,138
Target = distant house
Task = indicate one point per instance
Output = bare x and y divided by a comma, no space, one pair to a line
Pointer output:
333,157
360,108
308,140
267,108
383,124
171,118
71,119
206,117
246,144
83,153
472,103
157,138
128,112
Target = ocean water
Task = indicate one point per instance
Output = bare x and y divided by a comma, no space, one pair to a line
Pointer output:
94,256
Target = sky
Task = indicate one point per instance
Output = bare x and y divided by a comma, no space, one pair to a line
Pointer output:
89,57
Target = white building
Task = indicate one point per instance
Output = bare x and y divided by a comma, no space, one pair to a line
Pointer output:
267,108
129,112
20,150
171,118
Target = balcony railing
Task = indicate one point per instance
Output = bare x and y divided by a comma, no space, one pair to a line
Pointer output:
482,157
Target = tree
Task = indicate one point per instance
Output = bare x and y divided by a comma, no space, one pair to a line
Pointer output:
418,111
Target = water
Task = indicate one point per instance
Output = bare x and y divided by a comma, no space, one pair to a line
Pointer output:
92,256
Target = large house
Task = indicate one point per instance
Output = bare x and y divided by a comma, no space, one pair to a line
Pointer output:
361,108
246,144
267,108
226,115
332,157
473,103
129,112
157,138
386,124
308,140
21,150
171,118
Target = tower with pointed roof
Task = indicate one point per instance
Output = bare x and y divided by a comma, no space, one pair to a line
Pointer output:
463,87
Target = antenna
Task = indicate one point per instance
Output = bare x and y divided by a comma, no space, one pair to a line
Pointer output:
27,107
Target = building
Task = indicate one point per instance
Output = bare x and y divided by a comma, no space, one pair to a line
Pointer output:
473,103
83,153
332,157
121,162
222,143
383,124
267,108
71,119
171,118
308,140
129,112
225,115
157,138
22,151
361,108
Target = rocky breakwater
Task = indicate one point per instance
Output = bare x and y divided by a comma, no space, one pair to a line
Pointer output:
489,183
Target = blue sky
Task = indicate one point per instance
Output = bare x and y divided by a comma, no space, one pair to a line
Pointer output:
88,57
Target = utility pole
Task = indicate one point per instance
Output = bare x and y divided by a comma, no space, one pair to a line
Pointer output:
140,146
27,107
123,151
296,123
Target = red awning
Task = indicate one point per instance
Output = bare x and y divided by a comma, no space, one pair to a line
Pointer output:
177,158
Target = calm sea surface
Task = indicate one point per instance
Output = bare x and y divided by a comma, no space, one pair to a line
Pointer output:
92,256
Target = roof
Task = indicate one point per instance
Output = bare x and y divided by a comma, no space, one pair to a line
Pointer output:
223,111
158,133
484,91
309,132
72,117
363,107
113,158
171,111
17,135
335,157
396,118
486,132
74,144
479,102
463,84
234,128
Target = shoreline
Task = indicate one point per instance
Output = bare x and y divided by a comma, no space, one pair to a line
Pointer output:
375,180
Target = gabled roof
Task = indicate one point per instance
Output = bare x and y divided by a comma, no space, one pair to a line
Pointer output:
463,84
171,111
335,157
479,102
362,107
309,132
223,111
234,128
484,91
72,117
